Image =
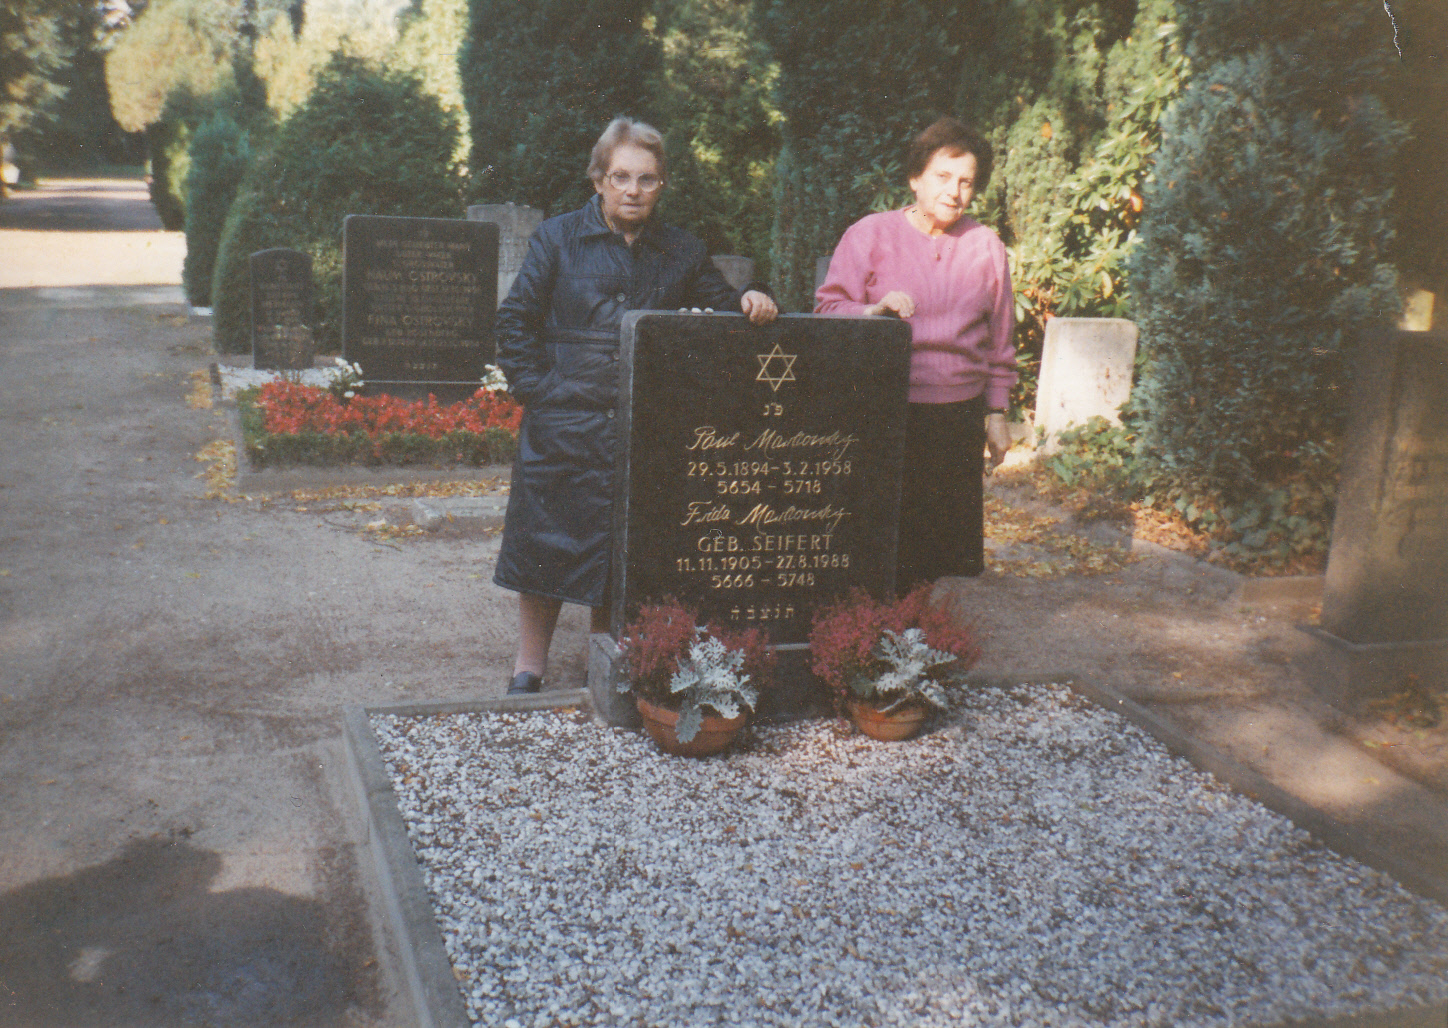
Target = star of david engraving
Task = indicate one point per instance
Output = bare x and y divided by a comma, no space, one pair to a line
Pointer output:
785,372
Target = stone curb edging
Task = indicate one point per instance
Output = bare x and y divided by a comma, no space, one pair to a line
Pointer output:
428,972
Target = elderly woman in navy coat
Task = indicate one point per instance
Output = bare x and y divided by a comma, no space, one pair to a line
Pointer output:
558,336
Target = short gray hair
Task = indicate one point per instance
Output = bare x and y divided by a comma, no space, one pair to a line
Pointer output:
625,131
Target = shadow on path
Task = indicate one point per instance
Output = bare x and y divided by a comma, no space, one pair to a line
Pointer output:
141,940
81,205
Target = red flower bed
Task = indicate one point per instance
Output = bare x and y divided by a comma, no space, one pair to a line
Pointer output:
290,409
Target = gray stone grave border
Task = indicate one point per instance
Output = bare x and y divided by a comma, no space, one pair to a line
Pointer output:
438,1003
427,971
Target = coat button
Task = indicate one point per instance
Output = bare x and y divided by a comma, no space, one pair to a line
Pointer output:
610,412
622,297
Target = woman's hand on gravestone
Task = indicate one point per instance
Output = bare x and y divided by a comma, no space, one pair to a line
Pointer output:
758,307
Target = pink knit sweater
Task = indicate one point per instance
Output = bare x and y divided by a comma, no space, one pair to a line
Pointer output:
964,311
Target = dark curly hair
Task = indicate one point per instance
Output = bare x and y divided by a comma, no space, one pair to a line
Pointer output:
955,137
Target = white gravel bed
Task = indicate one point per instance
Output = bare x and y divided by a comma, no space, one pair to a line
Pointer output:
234,379
1034,861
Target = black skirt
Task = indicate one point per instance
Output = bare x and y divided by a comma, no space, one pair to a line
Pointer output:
941,517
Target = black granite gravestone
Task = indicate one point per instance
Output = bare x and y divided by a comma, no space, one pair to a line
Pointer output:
281,310
418,299
758,475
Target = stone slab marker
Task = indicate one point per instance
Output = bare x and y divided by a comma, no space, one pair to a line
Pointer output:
737,271
1385,601
756,480
516,225
822,271
281,310
1086,368
419,296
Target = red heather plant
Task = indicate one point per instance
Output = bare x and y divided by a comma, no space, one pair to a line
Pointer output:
653,643
659,637
845,637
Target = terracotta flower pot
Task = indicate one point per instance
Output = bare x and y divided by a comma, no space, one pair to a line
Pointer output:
714,735
901,723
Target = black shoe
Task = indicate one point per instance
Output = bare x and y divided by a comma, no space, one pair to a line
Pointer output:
524,683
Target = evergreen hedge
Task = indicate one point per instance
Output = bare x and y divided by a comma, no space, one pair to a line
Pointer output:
168,142
857,79
540,79
364,142
720,126
1263,255
220,153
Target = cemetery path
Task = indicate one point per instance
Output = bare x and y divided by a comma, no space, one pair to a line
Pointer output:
177,839
86,232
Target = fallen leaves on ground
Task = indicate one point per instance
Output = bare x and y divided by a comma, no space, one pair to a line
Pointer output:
403,490
199,398
1040,549
220,457
1415,705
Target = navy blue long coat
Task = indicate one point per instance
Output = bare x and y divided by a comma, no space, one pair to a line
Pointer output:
558,337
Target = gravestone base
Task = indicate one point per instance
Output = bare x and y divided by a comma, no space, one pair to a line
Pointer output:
1349,675
605,671
797,692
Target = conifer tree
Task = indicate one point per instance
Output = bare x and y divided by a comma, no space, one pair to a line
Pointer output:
1264,255
541,79
364,142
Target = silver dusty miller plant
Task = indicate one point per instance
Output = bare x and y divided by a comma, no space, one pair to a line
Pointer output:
909,677
710,678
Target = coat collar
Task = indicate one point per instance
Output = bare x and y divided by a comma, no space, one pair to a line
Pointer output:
596,225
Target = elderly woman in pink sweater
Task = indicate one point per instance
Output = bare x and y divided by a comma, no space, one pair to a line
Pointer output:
948,276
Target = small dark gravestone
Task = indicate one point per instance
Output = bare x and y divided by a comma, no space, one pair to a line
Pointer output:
418,300
759,472
281,310
516,225
1385,601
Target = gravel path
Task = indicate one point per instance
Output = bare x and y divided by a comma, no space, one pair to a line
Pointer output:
1036,861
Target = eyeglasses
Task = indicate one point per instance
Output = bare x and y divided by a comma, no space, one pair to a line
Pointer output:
621,180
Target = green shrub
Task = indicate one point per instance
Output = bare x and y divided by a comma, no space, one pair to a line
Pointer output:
720,126
168,141
541,79
364,142
848,118
1262,258
220,152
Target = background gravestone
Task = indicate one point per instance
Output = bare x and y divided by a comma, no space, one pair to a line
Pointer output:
516,225
281,310
759,468
737,271
822,270
1086,367
1385,601
418,300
